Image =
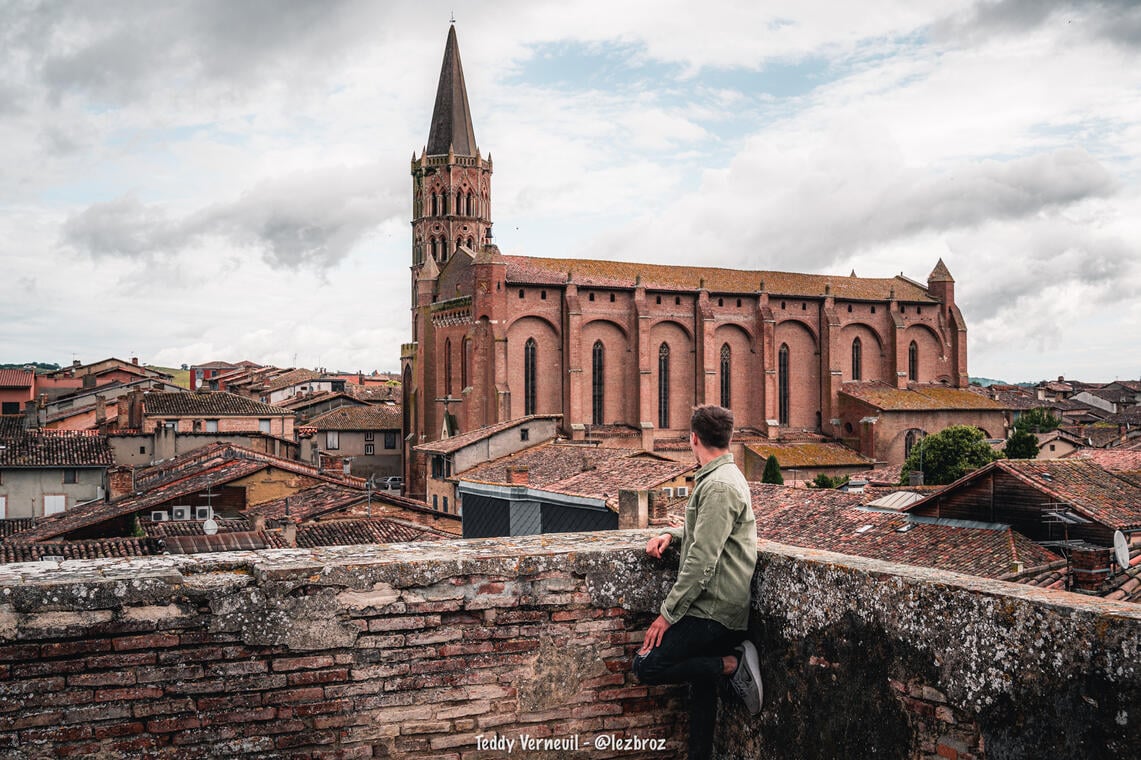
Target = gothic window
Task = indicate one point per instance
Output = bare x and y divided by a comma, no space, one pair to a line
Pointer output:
726,366
913,362
857,360
471,243
529,376
465,363
782,384
448,367
598,379
470,204
910,440
664,386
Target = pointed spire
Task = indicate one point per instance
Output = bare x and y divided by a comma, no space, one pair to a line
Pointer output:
940,273
429,271
451,116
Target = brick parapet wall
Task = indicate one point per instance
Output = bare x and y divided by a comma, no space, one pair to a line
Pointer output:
415,650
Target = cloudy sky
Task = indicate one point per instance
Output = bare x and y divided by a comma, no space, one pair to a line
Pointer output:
213,179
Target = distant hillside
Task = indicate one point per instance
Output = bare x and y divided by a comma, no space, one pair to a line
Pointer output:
985,381
40,366
181,376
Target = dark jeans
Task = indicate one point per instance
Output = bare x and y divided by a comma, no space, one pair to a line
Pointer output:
691,652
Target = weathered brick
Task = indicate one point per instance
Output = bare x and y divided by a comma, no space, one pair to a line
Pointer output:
146,641
168,673
291,696
426,727
121,661
302,663
55,734
403,623
46,668
307,677
630,692
463,710
166,725
162,707
114,730
105,678
305,739
229,701
19,652
316,708
90,713
72,648
251,667
450,741
240,716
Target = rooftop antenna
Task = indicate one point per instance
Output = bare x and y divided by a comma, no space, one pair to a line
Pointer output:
453,17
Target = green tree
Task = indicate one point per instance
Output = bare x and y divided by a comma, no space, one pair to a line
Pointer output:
772,471
1022,445
1036,421
948,455
825,481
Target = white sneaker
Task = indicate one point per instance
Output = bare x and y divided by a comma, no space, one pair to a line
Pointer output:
746,679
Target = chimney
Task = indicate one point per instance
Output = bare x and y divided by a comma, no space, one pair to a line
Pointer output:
1090,566
135,360
518,475
633,509
289,533
100,413
120,482
76,363
259,523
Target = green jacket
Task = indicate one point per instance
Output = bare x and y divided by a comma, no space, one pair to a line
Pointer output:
718,549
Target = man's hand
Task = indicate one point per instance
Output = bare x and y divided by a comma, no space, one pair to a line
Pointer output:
657,545
654,633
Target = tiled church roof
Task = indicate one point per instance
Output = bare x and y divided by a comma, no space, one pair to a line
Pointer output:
624,274
56,448
918,397
219,404
385,417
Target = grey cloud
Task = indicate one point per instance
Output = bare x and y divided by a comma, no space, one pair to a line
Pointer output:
311,219
118,50
1116,20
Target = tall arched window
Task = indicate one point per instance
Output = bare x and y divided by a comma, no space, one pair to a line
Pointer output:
782,384
465,363
597,379
529,376
664,386
857,360
726,367
448,367
913,362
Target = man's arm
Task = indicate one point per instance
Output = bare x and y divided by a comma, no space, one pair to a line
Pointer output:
714,523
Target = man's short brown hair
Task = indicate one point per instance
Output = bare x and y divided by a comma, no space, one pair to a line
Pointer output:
713,425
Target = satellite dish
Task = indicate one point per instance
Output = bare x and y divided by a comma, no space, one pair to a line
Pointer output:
1121,549
210,527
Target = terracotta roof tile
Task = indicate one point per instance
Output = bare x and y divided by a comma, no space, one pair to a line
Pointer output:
213,404
580,470
832,521
89,549
623,274
383,417
457,442
16,378
292,377
1114,460
917,397
810,454
309,503
11,425
225,542
377,530
56,448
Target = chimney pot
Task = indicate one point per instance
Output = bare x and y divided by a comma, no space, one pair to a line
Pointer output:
518,475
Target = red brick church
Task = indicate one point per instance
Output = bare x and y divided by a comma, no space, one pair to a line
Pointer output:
611,344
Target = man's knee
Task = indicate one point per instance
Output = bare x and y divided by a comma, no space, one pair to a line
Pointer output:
647,667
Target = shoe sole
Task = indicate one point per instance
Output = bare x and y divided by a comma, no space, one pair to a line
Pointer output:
753,663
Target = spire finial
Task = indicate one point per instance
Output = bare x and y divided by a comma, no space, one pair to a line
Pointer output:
453,17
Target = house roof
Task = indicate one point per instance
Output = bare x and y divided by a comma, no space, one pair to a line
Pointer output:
1096,435
831,520
1100,495
56,448
213,365
183,476
225,542
309,503
90,549
917,397
209,404
1114,460
376,530
359,418
12,425
623,274
578,470
810,454
292,377
1010,396
457,442
305,400
1121,585
16,378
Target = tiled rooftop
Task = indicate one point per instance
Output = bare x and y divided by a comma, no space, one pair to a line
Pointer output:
225,542
292,377
215,404
1106,497
582,470
621,274
92,549
457,442
831,520
377,530
11,425
310,503
810,454
16,378
918,397
56,448
1121,585
383,417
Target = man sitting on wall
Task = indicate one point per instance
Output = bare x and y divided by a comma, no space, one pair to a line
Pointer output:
706,613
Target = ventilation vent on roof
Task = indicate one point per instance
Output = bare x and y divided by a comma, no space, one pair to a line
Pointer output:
863,528
905,527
